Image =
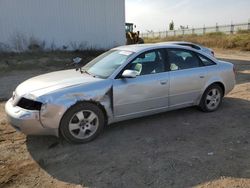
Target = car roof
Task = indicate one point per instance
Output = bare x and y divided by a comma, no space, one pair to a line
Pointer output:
178,42
150,46
142,47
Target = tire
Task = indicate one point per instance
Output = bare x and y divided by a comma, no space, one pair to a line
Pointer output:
82,123
211,98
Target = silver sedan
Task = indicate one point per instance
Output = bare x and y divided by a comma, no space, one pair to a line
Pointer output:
124,83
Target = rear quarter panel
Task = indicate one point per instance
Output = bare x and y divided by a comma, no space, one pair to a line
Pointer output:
227,74
221,72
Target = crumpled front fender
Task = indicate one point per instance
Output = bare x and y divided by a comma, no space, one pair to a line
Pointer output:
56,104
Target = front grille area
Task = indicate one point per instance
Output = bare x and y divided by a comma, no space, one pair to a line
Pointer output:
29,104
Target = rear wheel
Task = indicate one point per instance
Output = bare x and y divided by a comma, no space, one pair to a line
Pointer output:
82,123
211,98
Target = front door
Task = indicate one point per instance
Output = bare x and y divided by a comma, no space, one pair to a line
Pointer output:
145,93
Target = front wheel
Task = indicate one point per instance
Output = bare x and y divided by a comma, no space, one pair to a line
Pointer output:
82,123
211,98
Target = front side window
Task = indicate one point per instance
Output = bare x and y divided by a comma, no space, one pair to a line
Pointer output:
148,63
105,65
182,59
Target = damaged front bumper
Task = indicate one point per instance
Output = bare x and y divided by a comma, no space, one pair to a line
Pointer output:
27,121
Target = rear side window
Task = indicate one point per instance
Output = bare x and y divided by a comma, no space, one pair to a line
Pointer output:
205,61
182,59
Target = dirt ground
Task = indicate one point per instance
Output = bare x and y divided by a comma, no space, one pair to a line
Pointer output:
182,148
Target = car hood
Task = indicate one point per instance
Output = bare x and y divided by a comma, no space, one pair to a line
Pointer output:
46,83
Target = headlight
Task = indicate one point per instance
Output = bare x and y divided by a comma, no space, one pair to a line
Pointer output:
29,104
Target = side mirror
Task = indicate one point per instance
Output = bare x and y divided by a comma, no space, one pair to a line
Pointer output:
129,74
77,60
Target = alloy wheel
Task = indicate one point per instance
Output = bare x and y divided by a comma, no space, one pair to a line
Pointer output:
213,99
83,124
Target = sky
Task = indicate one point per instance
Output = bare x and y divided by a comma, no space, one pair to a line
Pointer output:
156,15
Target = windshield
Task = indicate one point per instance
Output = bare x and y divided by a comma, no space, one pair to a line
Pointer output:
105,65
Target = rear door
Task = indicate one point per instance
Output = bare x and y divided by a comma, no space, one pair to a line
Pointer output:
148,91
187,77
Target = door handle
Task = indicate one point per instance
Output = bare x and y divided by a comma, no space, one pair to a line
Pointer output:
163,82
201,76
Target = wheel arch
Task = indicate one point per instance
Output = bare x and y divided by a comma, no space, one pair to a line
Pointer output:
98,104
202,102
215,80
209,84
79,105
222,86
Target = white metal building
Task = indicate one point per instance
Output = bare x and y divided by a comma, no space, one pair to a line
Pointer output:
64,24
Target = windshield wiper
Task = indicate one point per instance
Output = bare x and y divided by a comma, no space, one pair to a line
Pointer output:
76,62
87,72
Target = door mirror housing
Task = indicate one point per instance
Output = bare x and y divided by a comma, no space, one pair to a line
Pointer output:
77,60
129,74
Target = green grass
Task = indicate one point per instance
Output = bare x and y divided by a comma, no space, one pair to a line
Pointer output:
239,41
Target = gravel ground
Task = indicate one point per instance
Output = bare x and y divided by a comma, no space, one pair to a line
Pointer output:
182,148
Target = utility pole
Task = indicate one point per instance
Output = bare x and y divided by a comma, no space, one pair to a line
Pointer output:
232,28
248,24
217,27
204,30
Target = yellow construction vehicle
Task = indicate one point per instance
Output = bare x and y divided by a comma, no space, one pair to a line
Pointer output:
131,36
